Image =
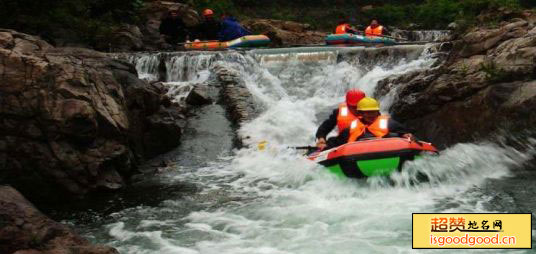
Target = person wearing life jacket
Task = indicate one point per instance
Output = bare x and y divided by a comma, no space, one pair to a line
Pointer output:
375,29
209,27
341,117
231,29
372,124
344,28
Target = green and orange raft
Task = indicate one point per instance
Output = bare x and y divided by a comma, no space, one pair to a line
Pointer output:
375,157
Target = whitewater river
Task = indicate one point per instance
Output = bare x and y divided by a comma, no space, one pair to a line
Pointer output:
214,198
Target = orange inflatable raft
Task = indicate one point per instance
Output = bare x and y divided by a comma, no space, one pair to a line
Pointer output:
375,157
248,41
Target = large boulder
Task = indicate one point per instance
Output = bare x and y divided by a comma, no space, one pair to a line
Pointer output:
284,33
23,229
71,120
236,96
126,38
480,40
487,84
198,96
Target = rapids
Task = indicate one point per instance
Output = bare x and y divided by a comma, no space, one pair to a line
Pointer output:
275,201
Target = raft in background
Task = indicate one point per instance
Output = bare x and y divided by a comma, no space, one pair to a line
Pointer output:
248,41
375,157
356,39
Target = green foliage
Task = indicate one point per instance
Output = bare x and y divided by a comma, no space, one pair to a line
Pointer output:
436,14
323,14
528,3
71,21
116,10
91,21
218,6
391,14
494,73
474,7
464,69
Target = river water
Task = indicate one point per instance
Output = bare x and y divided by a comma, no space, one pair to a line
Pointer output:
215,198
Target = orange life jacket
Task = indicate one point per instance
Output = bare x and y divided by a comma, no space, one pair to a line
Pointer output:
345,117
342,29
374,31
378,128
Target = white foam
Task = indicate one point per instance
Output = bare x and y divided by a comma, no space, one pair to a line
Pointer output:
276,201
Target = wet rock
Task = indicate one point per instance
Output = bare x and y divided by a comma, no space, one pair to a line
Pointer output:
23,229
285,32
72,120
446,47
480,40
422,35
486,85
198,96
235,95
164,132
6,40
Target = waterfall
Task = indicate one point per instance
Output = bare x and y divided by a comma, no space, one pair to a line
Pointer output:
424,35
276,201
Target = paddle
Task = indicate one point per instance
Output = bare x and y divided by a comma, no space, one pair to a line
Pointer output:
386,36
303,147
262,145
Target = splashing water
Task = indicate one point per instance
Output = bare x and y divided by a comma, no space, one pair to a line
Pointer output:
276,201
424,35
264,202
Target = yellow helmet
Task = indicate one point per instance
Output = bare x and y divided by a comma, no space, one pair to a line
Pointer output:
368,104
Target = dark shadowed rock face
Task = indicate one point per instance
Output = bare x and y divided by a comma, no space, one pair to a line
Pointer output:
489,83
153,13
73,119
146,36
198,96
23,229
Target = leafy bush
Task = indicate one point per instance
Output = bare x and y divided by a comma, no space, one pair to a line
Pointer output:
218,6
68,21
528,3
437,13
390,14
474,7
494,73
90,21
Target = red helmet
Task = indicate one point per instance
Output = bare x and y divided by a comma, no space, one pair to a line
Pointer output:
208,12
354,96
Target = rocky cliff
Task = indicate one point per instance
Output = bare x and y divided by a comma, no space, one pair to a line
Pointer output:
487,84
73,121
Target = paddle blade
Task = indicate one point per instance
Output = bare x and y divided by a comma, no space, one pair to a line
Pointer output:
262,145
